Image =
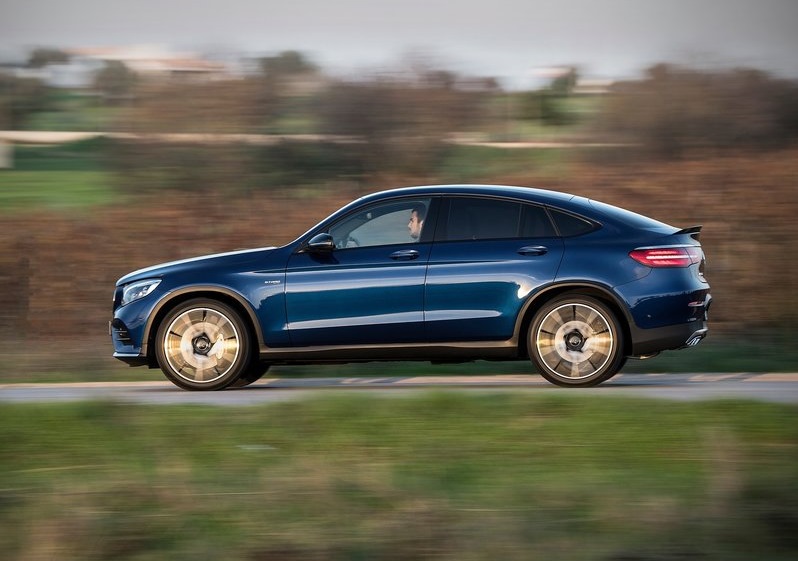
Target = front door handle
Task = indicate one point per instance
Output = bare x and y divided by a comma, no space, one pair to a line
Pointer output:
533,250
404,255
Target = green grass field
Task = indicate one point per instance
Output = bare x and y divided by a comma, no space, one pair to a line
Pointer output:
70,177
437,476
73,190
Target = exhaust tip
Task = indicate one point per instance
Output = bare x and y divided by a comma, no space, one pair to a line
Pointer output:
695,338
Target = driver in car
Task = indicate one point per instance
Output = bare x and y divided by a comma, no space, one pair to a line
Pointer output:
417,215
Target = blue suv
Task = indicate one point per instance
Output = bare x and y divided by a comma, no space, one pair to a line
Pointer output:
434,273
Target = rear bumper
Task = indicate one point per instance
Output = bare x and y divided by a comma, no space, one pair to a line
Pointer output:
647,341
680,336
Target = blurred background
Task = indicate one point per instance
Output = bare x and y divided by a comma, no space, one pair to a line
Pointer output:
133,133
136,133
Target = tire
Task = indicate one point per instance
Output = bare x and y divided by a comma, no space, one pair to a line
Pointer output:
576,341
254,373
203,344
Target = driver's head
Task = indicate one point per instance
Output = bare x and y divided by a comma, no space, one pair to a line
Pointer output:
417,215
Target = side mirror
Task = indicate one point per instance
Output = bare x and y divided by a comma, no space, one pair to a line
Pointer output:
321,243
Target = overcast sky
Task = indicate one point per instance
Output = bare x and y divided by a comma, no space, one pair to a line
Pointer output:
503,38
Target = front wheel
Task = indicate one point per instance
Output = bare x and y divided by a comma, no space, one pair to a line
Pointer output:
576,340
251,375
203,344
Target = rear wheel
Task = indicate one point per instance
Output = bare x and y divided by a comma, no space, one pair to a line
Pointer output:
203,345
575,340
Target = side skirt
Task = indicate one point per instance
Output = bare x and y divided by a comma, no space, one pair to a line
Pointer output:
481,350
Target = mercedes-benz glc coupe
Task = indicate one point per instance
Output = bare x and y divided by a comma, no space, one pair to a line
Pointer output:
434,273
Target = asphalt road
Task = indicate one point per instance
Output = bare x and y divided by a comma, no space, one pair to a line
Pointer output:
781,388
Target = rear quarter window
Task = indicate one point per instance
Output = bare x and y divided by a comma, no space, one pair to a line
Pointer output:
570,225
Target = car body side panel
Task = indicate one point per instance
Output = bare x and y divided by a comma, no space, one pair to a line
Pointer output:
356,296
476,289
598,258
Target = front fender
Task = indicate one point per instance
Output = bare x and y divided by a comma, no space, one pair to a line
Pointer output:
174,297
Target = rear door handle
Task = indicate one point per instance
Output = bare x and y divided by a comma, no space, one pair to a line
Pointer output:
404,255
533,250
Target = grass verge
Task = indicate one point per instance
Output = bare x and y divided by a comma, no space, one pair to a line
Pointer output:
437,476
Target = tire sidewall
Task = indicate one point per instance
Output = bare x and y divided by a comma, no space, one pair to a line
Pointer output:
244,352
613,362
252,374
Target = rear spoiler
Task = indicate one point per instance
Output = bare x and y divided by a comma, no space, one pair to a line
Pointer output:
693,231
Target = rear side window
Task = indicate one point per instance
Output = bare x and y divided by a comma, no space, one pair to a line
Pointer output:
535,223
472,218
570,225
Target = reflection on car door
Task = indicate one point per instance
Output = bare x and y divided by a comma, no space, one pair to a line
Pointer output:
357,296
489,256
367,291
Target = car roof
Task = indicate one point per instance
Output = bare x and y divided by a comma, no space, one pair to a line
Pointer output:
601,213
527,193
592,209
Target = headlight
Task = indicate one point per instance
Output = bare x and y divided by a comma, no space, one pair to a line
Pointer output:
138,290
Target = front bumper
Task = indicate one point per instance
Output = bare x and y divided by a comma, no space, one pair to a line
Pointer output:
126,348
132,360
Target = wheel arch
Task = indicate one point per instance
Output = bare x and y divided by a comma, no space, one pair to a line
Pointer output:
542,297
174,299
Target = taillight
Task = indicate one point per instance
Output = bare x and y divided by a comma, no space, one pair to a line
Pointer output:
667,256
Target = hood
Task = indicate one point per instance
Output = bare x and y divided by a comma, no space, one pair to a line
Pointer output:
183,265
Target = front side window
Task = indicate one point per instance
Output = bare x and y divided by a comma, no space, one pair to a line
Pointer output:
387,223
